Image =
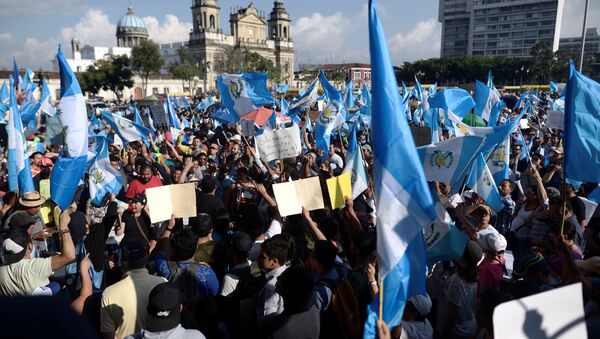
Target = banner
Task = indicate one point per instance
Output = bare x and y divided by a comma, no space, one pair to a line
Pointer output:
556,120
293,195
179,200
279,144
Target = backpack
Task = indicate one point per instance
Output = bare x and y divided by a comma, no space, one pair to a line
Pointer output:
184,279
342,318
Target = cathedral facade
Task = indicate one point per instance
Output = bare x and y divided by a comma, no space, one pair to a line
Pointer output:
249,29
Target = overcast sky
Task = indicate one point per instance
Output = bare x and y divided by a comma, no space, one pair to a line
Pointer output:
323,31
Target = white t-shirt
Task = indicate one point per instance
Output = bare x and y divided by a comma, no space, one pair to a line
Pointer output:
336,161
274,229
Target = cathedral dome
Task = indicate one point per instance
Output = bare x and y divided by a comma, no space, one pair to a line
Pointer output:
130,20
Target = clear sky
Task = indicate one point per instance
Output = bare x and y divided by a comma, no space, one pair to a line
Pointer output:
323,30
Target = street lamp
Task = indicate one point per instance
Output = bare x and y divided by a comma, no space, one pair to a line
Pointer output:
522,69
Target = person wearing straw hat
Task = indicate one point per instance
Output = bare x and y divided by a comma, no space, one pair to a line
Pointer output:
29,205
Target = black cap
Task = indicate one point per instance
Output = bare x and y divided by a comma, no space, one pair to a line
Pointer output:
141,198
163,308
471,256
21,220
15,245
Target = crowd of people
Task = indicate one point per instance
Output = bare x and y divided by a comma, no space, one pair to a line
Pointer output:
240,270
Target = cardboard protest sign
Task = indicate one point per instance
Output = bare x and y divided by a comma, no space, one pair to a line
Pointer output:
421,135
339,188
555,120
279,144
292,196
557,313
179,200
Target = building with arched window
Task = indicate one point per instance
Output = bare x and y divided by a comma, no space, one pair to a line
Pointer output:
249,29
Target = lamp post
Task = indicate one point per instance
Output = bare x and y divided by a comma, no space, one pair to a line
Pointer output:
522,69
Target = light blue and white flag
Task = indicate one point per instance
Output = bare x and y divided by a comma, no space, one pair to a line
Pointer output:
482,182
332,116
404,203
281,88
449,161
46,105
485,99
172,114
244,93
582,127
307,98
4,94
27,80
103,178
70,166
19,172
137,118
127,130
498,160
490,80
455,100
285,107
553,87
366,96
355,166
348,96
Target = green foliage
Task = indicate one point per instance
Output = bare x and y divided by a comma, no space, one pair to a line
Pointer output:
187,69
109,75
234,60
146,60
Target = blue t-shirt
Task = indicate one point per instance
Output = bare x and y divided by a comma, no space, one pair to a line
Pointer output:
206,279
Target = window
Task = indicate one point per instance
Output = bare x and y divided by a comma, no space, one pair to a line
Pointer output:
285,32
212,22
479,29
166,90
154,90
356,75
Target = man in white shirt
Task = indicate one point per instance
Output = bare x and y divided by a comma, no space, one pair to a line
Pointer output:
272,259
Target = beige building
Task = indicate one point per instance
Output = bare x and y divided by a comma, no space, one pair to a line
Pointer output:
249,29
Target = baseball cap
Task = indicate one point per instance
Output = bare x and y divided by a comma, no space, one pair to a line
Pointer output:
15,245
422,303
163,308
495,243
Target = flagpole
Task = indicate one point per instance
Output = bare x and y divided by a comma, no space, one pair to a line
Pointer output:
585,12
564,207
380,299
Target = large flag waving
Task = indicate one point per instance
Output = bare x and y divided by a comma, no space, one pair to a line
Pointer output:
70,166
354,165
244,93
19,172
332,116
582,127
481,182
46,106
404,202
449,161
455,100
103,177
126,129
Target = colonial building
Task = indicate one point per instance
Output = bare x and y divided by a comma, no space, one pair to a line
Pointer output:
249,28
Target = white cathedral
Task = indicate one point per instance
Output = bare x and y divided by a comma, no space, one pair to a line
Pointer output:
250,29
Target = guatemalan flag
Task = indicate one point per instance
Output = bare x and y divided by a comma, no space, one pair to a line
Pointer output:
582,127
71,164
19,172
46,106
449,161
485,99
244,93
103,177
404,202
126,129
455,100
355,165
307,97
332,116
482,182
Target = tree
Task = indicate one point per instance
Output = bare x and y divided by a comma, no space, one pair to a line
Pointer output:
543,61
187,69
113,75
146,60
233,60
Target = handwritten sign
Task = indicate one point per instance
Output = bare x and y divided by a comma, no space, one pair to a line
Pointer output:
179,200
556,120
292,196
279,144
